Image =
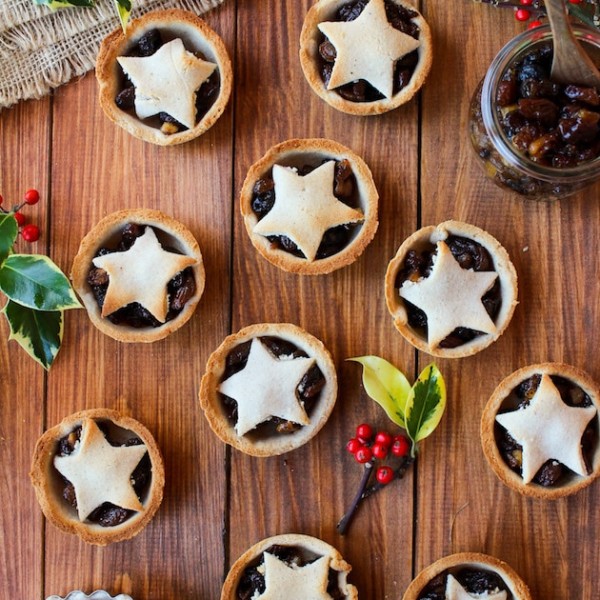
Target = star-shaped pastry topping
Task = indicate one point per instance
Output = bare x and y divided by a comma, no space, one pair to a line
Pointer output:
547,428
141,274
167,81
100,472
455,591
451,296
295,583
305,208
266,387
367,48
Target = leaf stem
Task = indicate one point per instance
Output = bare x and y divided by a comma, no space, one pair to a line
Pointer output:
345,521
399,473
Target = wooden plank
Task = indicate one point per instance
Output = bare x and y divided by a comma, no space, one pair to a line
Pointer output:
24,138
99,170
308,490
461,504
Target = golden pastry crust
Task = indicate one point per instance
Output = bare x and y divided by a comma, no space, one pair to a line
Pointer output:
197,37
47,481
516,585
513,480
212,405
296,153
324,10
507,276
178,236
310,544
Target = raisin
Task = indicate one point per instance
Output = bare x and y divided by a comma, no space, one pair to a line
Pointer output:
149,43
327,51
125,99
587,95
542,110
549,474
97,277
506,94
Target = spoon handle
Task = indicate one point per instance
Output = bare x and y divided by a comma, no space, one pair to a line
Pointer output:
570,64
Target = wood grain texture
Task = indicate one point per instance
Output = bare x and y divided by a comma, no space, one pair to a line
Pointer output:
218,501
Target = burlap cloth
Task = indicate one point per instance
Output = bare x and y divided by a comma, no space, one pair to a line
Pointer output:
41,49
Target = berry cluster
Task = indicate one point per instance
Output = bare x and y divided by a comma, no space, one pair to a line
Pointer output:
368,447
30,232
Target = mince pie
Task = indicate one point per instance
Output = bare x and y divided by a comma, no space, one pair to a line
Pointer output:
465,576
451,289
167,80
291,566
268,388
98,474
97,595
365,57
310,206
139,274
539,430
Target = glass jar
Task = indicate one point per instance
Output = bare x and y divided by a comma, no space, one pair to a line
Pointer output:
502,161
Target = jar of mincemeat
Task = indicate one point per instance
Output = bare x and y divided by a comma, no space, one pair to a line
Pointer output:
536,137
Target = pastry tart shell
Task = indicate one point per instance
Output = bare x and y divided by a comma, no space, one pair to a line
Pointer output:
47,481
476,560
108,229
296,153
513,480
212,405
325,10
197,36
507,277
307,543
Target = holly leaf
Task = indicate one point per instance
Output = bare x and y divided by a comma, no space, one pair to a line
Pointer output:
425,404
9,229
34,281
38,332
123,10
385,384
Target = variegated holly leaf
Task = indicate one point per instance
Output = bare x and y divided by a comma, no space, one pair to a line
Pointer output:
38,332
56,4
34,281
425,404
385,384
123,10
9,229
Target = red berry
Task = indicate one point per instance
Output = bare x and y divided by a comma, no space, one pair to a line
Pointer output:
400,447
380,450
363,455
364,432
384,475
534,24
575,1
353,445
1,199
31,233
20,218
32,196
522,14
526,2
383,437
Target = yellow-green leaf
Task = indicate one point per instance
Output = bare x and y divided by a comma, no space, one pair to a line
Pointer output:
386,385
56,4
8,234
124,10
38,332
425,404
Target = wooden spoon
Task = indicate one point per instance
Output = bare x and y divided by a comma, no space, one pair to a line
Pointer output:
570,64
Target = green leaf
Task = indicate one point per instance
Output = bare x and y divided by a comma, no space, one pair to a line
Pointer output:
8,234
38,332
123,10
56,4
34,281
425,404
386,385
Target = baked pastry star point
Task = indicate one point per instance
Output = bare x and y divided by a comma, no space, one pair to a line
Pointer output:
167,81
367,48
455,591
305,207
266,388
548,429
308,582
100,472
141,274
451,297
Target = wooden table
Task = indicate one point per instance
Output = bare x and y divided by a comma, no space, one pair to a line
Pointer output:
218,501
